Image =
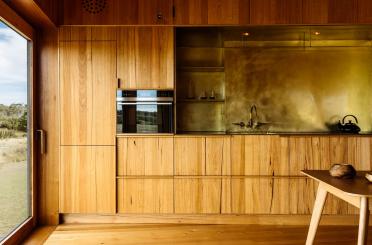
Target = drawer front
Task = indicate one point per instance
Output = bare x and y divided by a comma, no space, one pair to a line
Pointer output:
145,156
145,196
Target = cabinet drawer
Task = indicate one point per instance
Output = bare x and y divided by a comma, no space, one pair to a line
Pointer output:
145,196
202,195
144,156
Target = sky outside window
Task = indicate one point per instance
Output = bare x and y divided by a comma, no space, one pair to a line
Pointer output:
13,67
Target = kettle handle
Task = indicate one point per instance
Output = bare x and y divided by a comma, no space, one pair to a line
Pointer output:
356,119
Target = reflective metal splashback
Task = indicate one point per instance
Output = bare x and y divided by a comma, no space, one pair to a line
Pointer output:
302,79
299,89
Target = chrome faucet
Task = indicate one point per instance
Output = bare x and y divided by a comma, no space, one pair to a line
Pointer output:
253,117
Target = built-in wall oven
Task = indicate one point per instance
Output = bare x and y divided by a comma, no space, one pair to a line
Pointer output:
144,111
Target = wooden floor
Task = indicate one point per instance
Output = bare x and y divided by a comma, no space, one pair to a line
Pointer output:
196,234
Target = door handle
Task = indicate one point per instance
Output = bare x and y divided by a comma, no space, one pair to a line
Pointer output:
42,138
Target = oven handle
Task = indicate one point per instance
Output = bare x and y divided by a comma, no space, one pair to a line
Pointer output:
145,103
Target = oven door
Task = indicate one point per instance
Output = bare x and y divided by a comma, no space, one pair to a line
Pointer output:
144,117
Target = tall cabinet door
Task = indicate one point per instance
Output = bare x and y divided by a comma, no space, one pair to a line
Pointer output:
87,92
75,92
104,92
87,179
146,57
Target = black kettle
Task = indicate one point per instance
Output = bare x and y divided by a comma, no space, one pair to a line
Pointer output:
349,127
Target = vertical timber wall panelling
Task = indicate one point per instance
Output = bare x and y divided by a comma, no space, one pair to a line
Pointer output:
155,12
364,11
275,12
331,11
48,168
213,12
120,12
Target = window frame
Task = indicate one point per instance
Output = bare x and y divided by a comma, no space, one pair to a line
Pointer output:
18,24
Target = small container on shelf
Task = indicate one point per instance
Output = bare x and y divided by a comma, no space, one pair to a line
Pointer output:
203,95
212,96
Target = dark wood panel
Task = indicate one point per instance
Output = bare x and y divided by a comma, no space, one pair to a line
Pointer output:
276,12
155,12
191,12
213,12
365,11
330,11
75,14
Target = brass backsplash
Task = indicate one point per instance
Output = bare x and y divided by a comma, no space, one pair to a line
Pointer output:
299,89
302,79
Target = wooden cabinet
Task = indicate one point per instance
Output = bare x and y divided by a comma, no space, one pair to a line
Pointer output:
269,12
324,151
331,11
260,195
189,156
146,57
213,12
87,179
145,196
202,155
201,195
259,155
217,156
145,156
87,92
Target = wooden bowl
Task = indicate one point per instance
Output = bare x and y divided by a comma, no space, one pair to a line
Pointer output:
344,171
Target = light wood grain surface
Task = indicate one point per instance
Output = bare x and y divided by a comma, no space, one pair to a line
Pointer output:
195,234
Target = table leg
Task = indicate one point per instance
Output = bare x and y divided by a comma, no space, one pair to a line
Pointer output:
363,221
317,213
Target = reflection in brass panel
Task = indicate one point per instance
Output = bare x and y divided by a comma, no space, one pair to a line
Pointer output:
194,84
299,89
202,117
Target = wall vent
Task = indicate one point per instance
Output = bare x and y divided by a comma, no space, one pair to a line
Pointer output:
94,6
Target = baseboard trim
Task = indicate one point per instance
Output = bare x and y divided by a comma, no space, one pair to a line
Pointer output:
207,219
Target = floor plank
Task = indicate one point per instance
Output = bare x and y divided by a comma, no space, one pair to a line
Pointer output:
197,234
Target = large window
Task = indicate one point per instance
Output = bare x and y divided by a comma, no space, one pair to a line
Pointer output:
15,168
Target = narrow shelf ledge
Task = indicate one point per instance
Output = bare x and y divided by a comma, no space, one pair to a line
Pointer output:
202,68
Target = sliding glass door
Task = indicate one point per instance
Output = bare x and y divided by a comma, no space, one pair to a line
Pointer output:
15,153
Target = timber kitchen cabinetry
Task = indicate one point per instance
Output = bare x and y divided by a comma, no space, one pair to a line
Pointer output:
87,179
145,156
146,57
87,87
87,58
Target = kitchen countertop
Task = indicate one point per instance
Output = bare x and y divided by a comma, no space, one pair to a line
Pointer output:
222,133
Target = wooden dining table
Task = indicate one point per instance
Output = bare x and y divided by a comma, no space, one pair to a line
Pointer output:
355,191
